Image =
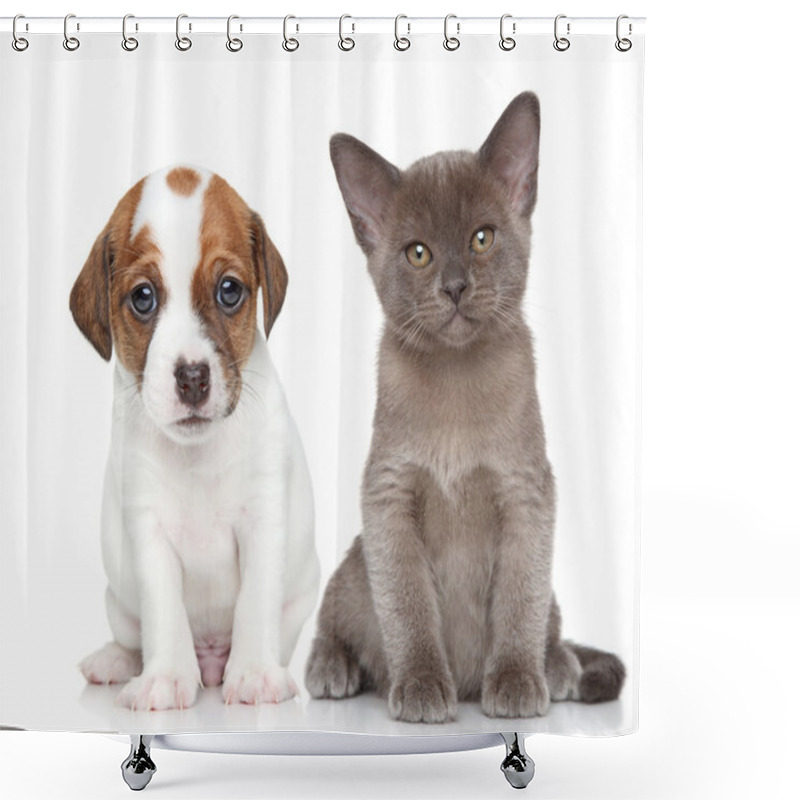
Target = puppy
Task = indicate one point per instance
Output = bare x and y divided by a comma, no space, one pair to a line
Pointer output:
207,518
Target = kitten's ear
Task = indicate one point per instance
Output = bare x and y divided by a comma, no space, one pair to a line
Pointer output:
511,150
367,182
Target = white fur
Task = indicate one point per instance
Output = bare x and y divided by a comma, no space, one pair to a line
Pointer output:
207,535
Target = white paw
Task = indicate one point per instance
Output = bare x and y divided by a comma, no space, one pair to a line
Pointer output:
112,663
257,685
158,692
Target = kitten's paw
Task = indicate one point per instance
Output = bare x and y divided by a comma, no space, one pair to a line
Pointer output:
331,672
423,697
254,685
563,672
511,691
112,663
160,691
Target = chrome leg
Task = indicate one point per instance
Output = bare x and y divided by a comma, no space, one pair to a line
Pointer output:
517,766
138,768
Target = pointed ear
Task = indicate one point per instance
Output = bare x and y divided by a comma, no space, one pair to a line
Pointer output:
88,299
511,151
271,271
367,182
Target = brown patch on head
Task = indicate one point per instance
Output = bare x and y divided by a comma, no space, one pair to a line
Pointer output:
233,245
117,264
183,181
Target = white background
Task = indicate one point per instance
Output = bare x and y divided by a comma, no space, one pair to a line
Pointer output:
720,536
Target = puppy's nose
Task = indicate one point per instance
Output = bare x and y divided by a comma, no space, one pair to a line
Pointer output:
455,288
192,383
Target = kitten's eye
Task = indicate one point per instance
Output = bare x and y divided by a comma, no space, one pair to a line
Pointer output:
482,240
418,255
143,300
229,293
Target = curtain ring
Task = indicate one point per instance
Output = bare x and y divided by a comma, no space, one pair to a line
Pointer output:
506,42
561,43
451,42
289,44
345,42
623,45
401,42
234,45
71,43
18,42
129,43
183,43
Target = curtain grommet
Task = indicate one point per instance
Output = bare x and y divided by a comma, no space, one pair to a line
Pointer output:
289,44
346,43
129,43
401,43
234,45
623,44
183,43
561,43
19,43
507,43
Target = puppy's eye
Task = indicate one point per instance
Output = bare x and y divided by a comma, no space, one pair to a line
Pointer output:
229,293
418,255
482,240
143,300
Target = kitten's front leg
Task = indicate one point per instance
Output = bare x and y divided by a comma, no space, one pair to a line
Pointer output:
514,683
421,687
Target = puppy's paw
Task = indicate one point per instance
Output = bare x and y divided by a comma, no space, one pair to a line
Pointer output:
256,685
514,691
160,691
331,671
112,663
423,697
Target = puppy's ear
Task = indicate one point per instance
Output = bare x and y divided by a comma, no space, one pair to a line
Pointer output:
88,299
272,273
367,182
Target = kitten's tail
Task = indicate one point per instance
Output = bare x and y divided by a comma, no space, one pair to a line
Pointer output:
602,673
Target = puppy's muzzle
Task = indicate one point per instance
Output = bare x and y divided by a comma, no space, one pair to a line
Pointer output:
192,383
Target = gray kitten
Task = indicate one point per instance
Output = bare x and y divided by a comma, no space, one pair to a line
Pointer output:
447,592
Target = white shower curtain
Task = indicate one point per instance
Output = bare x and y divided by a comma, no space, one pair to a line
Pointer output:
80,128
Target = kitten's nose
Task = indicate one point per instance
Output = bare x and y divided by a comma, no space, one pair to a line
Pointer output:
455,288
192,382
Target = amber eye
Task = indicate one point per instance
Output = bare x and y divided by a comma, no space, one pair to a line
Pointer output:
482,240
418,255
143,300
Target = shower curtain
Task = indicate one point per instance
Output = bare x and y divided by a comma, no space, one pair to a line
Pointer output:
83,124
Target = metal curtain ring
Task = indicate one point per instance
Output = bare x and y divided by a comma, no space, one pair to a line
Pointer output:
451,42
183,43
71,43
506,42
129,43
289,44
623,45
19,43
561,43
345,42
401,42
234,45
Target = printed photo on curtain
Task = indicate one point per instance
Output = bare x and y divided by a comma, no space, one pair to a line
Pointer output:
319,377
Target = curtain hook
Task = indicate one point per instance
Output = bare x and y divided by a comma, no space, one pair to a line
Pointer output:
507,42
623,45
234,45
401,42
289,44
129,43
561,43
71,43
451,42
183,43
345,42
18,42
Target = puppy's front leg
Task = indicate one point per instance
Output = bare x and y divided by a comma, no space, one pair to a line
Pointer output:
171,675
254,673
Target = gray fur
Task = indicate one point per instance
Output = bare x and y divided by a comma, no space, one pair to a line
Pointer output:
447,595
